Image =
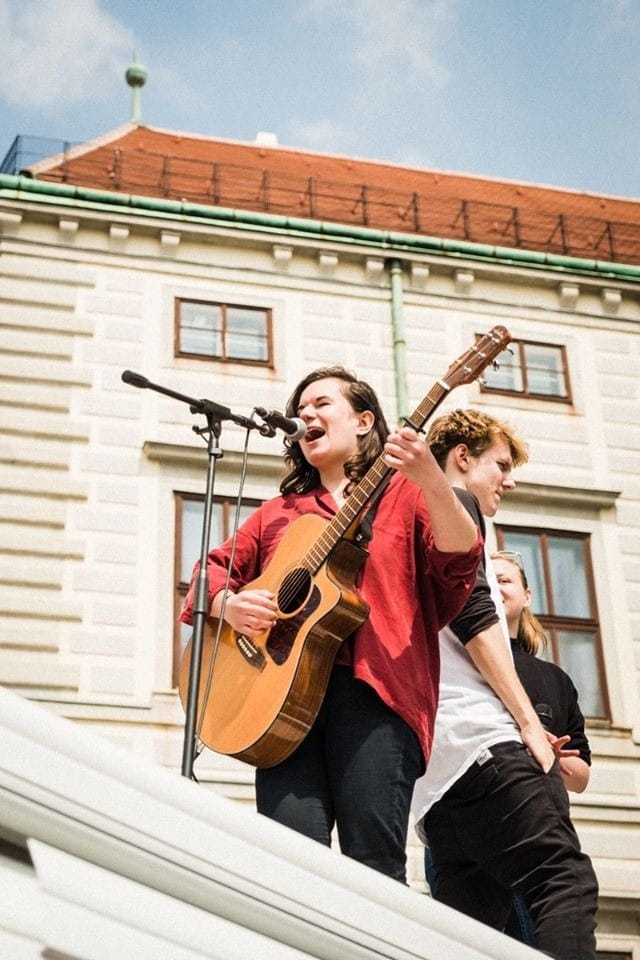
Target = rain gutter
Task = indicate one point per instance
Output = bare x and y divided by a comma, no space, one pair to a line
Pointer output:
399,342
20,187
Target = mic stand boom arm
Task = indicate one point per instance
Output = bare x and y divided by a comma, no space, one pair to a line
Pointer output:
206,407
215,414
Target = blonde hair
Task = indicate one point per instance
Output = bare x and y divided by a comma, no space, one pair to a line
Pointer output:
478,431
531,633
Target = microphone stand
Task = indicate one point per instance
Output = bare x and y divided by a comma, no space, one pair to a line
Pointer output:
215,413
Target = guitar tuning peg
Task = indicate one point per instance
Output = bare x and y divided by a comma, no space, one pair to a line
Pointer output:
482,381
495,364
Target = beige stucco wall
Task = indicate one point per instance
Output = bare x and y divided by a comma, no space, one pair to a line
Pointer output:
88,465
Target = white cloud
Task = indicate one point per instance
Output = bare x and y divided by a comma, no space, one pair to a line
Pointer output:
399,39
403,37
60,51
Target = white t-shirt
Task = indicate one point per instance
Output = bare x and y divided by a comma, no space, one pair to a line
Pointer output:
470,717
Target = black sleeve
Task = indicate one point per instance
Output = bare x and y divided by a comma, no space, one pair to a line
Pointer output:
575,723
479,612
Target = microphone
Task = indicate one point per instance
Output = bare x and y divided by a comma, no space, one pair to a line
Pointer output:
545,713
135,379
294,427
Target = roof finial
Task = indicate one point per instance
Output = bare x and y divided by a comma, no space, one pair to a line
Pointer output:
136,77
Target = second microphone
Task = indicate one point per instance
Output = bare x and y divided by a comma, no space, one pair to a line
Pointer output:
294,427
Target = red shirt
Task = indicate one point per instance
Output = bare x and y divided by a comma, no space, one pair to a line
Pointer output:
412,590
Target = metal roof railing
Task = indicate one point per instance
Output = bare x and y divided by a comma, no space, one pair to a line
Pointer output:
310,197
26,150
253,188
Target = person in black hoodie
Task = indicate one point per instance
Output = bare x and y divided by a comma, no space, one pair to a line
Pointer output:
551,691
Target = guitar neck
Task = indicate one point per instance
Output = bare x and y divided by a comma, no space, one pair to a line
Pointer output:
464,370
370,484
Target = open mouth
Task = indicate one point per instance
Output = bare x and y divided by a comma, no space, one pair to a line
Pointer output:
313,433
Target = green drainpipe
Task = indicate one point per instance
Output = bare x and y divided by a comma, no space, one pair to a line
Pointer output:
399,342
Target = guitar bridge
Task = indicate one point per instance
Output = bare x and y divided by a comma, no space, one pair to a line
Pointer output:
252,653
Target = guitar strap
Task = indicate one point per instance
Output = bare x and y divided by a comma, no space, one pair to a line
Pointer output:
364,530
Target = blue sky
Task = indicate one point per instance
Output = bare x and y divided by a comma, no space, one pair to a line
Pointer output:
545,91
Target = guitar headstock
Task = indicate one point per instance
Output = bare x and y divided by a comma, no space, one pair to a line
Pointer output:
470,365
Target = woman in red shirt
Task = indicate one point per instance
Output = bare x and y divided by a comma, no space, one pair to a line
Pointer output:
356,767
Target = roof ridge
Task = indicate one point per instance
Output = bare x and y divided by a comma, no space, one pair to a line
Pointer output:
43,165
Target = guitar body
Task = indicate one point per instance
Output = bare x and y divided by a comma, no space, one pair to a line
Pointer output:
259,697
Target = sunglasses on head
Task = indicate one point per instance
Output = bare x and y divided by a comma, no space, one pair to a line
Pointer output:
512,555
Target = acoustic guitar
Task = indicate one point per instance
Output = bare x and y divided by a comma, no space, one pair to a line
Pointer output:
259,697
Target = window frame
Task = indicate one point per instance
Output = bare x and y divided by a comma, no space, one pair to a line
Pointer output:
224,307
520,346
180,587
554,622
613,955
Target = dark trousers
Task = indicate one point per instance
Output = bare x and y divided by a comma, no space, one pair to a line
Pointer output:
518,925
355,769
505,827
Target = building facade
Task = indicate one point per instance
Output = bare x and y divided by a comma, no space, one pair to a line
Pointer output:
101,484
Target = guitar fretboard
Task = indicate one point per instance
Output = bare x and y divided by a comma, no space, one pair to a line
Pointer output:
373,479
464,370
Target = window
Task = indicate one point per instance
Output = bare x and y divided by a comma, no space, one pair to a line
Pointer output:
558,570
223,331
530,370
189,515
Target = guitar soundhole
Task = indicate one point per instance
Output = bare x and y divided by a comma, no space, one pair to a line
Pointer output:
294,591
283,635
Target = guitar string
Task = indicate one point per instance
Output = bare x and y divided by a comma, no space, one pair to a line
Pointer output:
319,552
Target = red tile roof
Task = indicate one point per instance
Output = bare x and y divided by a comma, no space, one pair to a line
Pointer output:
159,163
